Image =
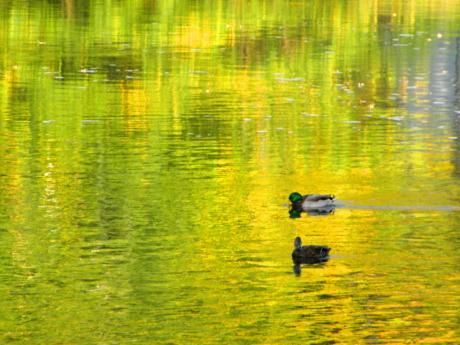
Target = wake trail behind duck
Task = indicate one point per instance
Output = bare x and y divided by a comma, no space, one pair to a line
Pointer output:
444,208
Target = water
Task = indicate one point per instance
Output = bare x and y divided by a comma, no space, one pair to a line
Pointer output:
147,150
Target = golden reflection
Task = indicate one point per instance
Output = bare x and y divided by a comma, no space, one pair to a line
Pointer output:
148,150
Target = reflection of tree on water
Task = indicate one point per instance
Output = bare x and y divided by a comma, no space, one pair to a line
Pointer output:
444,91
456,105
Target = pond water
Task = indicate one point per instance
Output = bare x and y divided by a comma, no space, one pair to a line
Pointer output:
148,148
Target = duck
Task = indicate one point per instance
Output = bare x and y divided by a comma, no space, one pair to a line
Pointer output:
311,201
309,254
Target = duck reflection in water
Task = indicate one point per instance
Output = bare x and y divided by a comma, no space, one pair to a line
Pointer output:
323,211
312,254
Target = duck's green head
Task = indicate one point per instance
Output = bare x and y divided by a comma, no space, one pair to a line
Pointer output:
295,197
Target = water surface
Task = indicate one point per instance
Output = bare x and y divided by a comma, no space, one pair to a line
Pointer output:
147,149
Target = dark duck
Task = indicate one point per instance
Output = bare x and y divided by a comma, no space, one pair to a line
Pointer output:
309,254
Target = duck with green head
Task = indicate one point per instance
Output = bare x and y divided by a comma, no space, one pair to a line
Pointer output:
309,254
311,201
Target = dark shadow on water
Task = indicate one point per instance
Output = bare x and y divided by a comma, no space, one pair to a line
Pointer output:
310,263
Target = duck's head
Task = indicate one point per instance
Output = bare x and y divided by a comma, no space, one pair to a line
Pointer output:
298,242
295,197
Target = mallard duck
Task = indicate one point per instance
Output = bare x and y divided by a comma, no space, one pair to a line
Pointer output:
311,201
309,254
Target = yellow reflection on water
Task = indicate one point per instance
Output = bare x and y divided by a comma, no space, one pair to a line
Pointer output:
147,151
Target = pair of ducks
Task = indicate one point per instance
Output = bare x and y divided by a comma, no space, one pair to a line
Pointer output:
308,203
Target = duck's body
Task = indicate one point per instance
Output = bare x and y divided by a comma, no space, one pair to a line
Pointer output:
309,254
311,201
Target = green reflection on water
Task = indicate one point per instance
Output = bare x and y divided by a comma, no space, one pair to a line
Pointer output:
147,150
